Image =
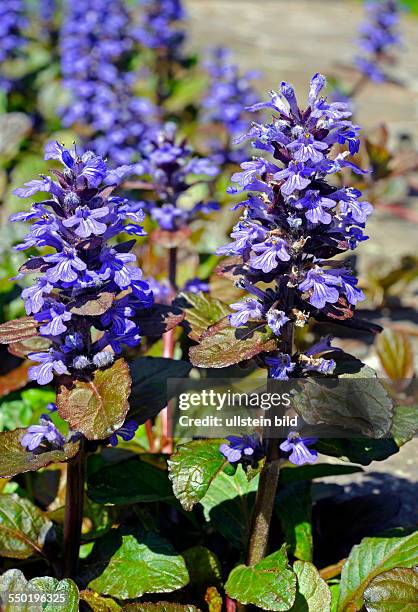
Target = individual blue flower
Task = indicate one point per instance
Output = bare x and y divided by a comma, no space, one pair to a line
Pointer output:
269,254
242,448
322,287
280,366
36,435
299,450
276,319
247,310
126,432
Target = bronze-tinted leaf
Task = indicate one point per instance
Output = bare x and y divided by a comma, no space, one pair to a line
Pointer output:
170,240
201,311
96,407
34,344
14,459
16,379
223,345
154,322
94,307
18,329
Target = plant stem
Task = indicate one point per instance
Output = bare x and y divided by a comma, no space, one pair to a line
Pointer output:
74,499
269,478
168,351
263,509
172,267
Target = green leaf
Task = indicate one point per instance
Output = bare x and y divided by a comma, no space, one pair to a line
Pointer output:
313,593
357,402
201,311
393,591
228,505
270,584
98,407
203,566
358,450
223,345
65,589
293,473
15,459
370,558
160,606
405,424
14,582
294,508
129,563
98,603
149,384
130,482
23,528
192,468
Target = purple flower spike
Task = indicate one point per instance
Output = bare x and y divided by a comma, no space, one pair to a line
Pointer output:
298,449
77,221
296,217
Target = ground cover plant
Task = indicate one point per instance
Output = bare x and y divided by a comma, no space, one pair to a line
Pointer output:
165,220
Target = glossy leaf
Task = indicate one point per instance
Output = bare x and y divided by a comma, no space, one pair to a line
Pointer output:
228,505
34,344
192,468
290,473
405,424
149,384
93,307
203,566
294,509
66,589
358,450
201,311
98,603
160,606
15,459
129,563
370,558
393,591
14,582
270,584
23,528
130,482
18,329
358,402
222,345
98,407
313,593
15,379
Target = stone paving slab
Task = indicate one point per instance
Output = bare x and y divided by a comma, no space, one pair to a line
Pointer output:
293,39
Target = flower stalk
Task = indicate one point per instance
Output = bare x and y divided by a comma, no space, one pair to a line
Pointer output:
73,518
